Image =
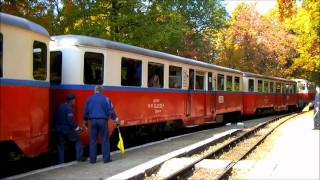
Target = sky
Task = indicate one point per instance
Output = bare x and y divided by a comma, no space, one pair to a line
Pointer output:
263,6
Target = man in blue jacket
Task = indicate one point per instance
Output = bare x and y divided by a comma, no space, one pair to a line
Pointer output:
98,110
67,129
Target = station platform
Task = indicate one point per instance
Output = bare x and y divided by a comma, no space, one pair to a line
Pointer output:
132,158
294,154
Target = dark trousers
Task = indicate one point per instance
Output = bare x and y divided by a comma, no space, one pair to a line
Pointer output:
69,136
99,126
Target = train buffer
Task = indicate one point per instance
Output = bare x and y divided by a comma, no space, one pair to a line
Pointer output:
295,154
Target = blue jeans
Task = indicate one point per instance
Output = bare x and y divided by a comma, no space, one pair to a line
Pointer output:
70,136
99,126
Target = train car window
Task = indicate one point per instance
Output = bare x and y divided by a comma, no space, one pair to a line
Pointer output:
131,70
294,88
251,85
191,79
237,83
271,87
39,60
199,80
55,67
1,55
93,68
220,82
301,86
287,89
229,83
265,86
175,77
155,75
278,88
282,88
259,85
209,81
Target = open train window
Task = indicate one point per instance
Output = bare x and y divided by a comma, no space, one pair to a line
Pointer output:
39,60
191,79
55,67
199,80
93,68
251,85
131,70
1,55
210,81
220,82
278,88
175,77
155,75
237,83
265,86
229,83
259,85
271,87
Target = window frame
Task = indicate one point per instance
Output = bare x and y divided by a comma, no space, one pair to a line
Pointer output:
84,68
228,78
191,79
271,86
51,68
160,77
253,85
42,64
202,75
131,83
236,86
179,79
210,81
260,85
218,84
266,89
278,87
1,55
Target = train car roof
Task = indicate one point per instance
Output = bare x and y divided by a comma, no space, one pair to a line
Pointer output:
248,74
23,23
98,42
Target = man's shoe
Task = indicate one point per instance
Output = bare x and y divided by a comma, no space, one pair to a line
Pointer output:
107,161
82,159
92,162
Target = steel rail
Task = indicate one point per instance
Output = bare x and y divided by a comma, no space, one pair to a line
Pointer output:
229,167
181,172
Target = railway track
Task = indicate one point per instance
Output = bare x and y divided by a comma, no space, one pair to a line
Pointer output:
229,150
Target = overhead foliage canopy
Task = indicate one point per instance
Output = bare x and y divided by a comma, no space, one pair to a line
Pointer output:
284,42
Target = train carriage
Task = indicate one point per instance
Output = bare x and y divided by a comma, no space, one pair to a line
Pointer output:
145,86
306,91
264,93
24,91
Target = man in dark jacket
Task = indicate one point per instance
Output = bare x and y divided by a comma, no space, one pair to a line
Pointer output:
67,129
316,109
98,110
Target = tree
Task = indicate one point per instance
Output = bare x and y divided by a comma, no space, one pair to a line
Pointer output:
255,43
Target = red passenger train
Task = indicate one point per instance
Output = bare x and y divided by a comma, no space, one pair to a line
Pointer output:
145,86
24,85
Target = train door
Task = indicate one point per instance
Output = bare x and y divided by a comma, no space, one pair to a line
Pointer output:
210,96
191,88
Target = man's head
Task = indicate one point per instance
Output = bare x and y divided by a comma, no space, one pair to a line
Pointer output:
98,89
71,98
